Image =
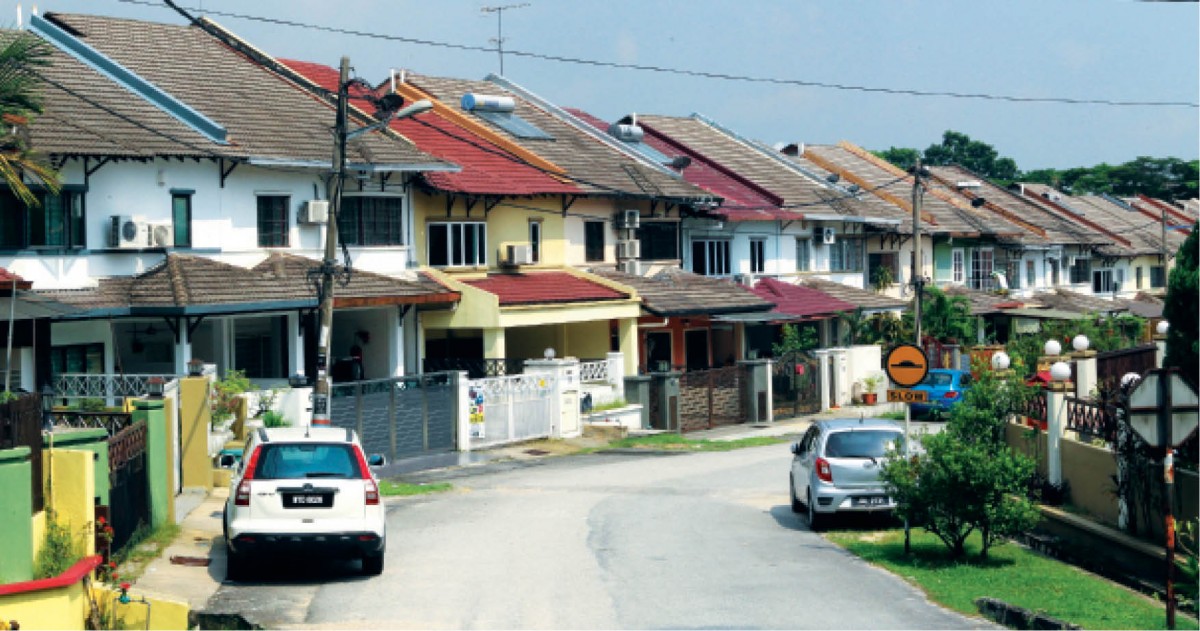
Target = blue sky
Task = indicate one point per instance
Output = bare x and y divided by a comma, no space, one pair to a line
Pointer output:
1093,49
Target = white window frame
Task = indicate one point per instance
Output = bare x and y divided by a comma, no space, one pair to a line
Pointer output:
804,254
475,259
958,266
983,280
717,257
758,259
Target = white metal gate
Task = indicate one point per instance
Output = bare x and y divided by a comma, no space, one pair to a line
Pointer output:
513,408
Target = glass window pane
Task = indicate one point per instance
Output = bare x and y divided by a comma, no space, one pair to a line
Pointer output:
593,236
181,218
438,254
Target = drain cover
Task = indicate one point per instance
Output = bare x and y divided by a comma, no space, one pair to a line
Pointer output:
191,561
536,452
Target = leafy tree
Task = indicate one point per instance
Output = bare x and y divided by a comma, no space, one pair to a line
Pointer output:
957,148
1183,350
20,56
794,339
902,157
944,317
968,479
1165,178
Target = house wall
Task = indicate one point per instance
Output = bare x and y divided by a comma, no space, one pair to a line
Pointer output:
574,238
16,546
70,477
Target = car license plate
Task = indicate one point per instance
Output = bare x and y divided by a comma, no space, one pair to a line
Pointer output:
300,500
871,500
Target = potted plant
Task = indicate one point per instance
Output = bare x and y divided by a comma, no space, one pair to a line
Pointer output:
870,385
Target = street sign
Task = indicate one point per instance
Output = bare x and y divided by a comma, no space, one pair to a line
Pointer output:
907,396
906,365
1145,403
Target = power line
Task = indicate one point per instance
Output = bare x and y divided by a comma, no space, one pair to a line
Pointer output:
693,73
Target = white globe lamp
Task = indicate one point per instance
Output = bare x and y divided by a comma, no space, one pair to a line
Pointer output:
1000,361
1129,379
1080,343
1162,327
1052,348
548,353
1060,371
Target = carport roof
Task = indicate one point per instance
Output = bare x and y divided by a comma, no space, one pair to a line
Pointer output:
543,288
673,292
798,300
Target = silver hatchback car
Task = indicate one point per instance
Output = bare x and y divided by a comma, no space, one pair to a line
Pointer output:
836,468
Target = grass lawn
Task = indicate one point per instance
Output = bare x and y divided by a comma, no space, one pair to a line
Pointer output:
679,443
391,488
1012,574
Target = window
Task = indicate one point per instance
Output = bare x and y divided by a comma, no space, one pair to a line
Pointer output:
58,220
181,218
593,240
1081,271
981,269
803,254
1157,277
535,240
958,266
273,221
1137,275
846,255
883,269
1102,281
660,240
710,257
1030,274
758,256
457,244
77,358
1053,272
370,220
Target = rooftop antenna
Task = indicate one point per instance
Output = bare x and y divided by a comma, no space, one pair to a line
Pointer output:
499,39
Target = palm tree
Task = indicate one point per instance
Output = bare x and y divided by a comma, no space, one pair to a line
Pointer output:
20,56
946,318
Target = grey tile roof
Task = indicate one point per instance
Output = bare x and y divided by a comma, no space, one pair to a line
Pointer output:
280,281
1142,232
596,168
982,303
673,292
866,299
1067,300
264,115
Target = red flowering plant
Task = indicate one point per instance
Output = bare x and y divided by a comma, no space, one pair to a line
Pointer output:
104,536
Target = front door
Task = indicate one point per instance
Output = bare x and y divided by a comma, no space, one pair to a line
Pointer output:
695,344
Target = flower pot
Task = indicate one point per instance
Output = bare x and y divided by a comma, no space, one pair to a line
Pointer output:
869,398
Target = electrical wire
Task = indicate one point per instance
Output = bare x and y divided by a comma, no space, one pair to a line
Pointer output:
683,71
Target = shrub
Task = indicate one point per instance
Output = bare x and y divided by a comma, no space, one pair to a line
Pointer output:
271,418
226,394
266,401
92,404
58,552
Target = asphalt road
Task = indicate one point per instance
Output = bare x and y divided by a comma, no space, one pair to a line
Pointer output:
702,540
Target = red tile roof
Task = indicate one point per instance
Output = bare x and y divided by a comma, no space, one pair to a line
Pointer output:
798,300
8,279
486,168
544,288
743,202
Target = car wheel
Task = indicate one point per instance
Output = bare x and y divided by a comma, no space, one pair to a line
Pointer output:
797,507
816,521
236,565
373,565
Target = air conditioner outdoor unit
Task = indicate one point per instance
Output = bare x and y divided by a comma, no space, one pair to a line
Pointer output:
744,279
629,249
828,236
631,266
314,211
629,219
519,254
128,232
162,235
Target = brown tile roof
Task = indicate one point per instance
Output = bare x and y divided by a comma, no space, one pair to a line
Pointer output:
264,115
1067,300
593,166
887,181
674,292
1144,233
853,295
982,303
183,283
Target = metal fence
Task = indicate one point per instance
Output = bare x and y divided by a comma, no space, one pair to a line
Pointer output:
111,422
399,416
72,386
510,409
21,426
795,385
128,496
1112,365
475,367
1090,419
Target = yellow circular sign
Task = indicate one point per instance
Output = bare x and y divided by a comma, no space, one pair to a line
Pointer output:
906,365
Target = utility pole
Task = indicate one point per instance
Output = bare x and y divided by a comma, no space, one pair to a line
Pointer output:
918,283
499,39
323,387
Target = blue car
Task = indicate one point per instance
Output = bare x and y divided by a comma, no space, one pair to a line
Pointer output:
945,389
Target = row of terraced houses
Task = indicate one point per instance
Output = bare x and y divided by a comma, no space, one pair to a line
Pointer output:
195,171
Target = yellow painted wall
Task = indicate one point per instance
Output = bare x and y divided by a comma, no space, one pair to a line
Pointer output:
587,340
39,531
505,224
60,608
71,490
195,421
164,614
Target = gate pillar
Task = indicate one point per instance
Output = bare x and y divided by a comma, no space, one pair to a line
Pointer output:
757,390
637,390
823,375
157,459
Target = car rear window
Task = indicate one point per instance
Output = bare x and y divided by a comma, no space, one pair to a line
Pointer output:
863,443
937,379
284,461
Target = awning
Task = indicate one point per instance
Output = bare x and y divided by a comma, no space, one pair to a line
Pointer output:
1042,314
26,305
769,317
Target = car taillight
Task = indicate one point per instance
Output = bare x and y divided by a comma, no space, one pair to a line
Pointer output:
372,492
372,489
242,496
950,394
824,473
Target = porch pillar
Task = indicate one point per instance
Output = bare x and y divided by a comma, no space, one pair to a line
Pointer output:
841,376
295,344
1056,423
395,328
1085,373
616,374
823,377
493,344
462,410
627,343
183,349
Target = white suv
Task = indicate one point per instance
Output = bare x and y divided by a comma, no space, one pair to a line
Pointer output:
308,490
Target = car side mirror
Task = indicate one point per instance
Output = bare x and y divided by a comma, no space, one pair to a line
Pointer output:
376,460
796,448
